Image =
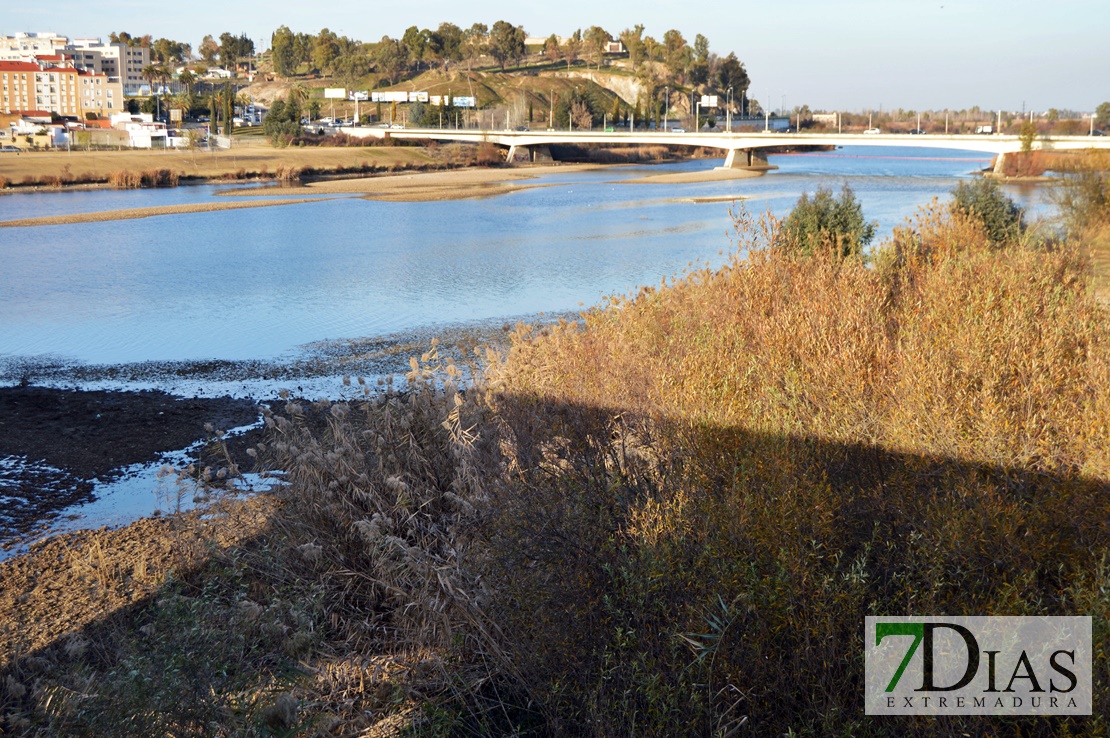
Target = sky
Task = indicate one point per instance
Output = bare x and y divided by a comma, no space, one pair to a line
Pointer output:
849,55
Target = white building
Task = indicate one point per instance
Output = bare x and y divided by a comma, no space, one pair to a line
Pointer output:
143,131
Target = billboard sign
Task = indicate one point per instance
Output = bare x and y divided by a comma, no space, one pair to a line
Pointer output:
389,96
359,95
709,101
335,93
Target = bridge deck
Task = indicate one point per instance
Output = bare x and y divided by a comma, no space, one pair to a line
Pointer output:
994,144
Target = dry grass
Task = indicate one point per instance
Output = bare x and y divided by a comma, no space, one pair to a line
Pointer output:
252,158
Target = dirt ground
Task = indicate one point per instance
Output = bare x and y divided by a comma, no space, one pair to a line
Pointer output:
89,435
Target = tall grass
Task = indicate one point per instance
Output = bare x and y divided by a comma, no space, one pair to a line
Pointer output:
127,179
672,517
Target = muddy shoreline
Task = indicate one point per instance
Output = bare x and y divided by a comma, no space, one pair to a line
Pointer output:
58,442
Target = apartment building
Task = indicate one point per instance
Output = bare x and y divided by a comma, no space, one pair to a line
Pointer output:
50,84
118,61
31,44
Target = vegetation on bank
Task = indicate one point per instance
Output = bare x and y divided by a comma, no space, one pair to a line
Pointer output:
668,518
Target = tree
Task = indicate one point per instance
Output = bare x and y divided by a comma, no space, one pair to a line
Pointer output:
597,43
391,58
283,50
446,44
188,80
825,223
506,42
1102,115
476,43
234,48
676,54
731,73
551,49
983,199
208,50
633,40
416,41
325,50
284,118
170,52
573,47
349,69
1028,135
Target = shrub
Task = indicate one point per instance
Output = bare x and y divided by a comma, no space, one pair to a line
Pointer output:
825,223
489,155
984,200
1082,194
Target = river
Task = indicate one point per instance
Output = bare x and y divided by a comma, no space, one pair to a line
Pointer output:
261,284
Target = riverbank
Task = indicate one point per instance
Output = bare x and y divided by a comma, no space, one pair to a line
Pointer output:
57,444
254,159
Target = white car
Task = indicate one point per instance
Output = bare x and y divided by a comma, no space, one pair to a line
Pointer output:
678,130
872,131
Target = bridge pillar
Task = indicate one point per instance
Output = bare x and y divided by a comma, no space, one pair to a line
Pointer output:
999,167
520,154
752,159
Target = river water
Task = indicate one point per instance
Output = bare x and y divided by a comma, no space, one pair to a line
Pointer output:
259,284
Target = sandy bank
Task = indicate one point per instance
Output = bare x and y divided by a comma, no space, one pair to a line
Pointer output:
453,185
713,175
148,212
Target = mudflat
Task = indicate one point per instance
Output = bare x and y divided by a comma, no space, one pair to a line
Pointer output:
88,435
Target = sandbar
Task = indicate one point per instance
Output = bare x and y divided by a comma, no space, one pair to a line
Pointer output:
711,175
129,213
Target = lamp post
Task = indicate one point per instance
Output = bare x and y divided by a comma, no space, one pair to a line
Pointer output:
728,112
667,115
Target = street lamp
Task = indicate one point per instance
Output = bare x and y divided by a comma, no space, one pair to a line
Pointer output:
728,113
667,115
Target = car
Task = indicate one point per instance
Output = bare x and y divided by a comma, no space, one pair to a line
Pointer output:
1097,132
395,125
10,149
678,130
917,132
872,131
522,128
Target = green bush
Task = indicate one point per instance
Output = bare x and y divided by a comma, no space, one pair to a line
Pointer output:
984,200
826,223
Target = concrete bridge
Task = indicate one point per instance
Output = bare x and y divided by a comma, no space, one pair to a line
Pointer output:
742,150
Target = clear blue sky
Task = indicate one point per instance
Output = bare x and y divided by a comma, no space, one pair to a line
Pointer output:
847,55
